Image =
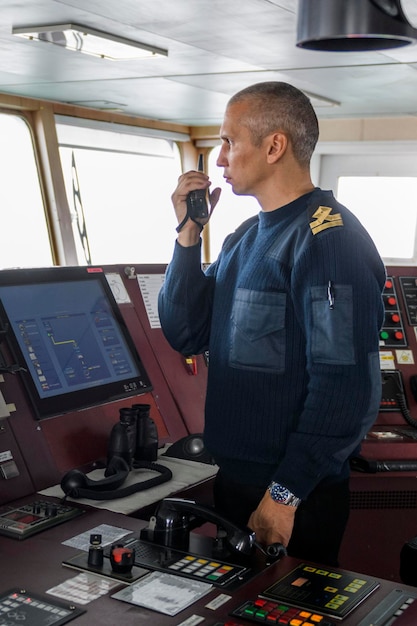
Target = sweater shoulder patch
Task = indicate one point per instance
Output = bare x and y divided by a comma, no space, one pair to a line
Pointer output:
325,219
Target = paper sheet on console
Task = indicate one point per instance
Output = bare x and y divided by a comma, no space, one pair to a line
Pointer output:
164,592
184,474
150,285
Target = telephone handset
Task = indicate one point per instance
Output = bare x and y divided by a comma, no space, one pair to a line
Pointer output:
133,444
175,517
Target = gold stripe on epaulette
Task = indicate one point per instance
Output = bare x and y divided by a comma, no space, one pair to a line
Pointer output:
324,219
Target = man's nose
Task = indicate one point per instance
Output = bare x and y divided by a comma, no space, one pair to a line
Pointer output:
221,159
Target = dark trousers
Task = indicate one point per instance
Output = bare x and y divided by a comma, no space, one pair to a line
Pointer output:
320,520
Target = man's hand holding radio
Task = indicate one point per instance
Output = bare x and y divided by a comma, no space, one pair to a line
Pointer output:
190,225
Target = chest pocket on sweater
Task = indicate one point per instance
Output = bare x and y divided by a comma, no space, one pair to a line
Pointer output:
258,331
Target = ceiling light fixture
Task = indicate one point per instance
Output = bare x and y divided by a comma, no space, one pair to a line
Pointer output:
90,41
353,25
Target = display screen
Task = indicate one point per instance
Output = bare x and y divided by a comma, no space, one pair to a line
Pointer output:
66,331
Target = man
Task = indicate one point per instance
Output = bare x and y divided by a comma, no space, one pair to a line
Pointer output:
290,313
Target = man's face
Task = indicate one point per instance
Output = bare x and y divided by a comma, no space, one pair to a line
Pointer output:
245,165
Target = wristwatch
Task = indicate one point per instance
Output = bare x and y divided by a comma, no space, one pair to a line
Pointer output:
282,495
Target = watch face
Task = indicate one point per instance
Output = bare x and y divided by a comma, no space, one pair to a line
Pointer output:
280,493
283,495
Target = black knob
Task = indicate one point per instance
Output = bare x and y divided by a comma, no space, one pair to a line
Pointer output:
51,510
95,556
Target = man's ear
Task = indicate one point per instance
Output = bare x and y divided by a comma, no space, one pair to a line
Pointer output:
277,146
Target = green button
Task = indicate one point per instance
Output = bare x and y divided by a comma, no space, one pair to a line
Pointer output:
250,610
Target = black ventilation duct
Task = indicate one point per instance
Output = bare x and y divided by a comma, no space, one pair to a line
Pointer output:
353,25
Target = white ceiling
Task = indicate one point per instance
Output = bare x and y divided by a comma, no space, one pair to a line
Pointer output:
215,48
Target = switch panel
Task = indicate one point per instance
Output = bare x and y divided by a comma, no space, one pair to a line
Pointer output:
392,333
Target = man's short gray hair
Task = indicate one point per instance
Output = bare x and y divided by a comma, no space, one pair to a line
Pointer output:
280,106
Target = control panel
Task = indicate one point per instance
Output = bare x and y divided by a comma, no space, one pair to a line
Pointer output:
27,520
190,565
314,596
262,610
398,346
394,434
392,333
17,606
409,291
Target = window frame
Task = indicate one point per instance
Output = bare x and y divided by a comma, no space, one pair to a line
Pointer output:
29,118
102,136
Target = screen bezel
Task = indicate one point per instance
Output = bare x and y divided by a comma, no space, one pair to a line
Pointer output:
102,393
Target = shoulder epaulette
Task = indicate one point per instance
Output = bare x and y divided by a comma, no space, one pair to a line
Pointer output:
325,219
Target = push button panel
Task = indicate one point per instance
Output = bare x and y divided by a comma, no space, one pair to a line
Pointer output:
392,333
266,611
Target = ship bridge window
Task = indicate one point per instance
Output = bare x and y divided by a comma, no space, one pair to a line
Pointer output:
25,239
387,208
377,181
119,182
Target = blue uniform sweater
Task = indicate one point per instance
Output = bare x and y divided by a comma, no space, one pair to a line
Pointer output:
290,313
